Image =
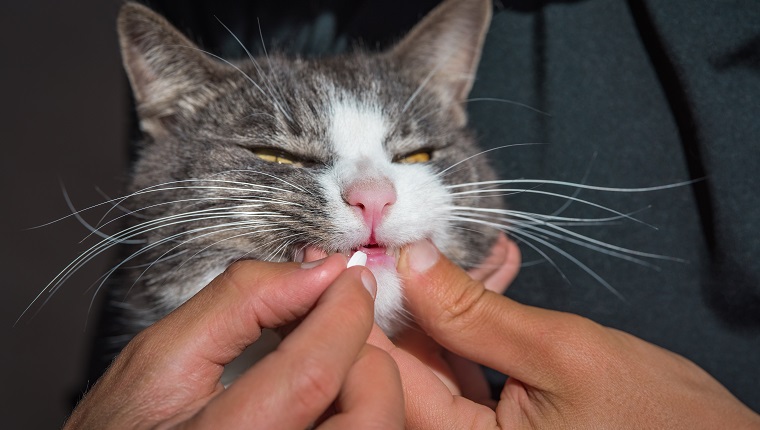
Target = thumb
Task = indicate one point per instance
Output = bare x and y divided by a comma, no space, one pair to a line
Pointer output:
471,321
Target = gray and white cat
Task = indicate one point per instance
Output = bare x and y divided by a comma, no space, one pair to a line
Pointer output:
277,158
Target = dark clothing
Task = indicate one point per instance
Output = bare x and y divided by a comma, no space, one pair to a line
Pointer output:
658,92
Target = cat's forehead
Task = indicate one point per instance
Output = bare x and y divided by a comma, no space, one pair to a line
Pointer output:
357,130
351,104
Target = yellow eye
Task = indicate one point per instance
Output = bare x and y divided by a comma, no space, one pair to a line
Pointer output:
415,157
274,156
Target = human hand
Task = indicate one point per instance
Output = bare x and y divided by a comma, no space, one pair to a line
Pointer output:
565,371
459,374
169,375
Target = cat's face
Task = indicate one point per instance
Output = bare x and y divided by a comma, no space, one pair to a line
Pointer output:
284,159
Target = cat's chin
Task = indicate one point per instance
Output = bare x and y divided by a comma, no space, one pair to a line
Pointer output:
389,302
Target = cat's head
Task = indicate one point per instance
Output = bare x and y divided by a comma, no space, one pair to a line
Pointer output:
280,158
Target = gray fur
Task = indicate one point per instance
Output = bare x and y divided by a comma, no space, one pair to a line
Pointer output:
201,118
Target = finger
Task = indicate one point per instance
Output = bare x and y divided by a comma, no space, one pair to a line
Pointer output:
465,318
501,267
293,385
222,319
371,396
429,352
429,404
193,343
460,375
472,381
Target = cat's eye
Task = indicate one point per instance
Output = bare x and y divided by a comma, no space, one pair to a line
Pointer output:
276,156
415,157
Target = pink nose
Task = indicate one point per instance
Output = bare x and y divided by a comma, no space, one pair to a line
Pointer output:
371,200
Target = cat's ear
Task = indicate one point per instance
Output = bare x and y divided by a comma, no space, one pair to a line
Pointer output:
163,66
444,48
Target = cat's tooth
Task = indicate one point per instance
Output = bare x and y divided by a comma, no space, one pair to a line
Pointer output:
298,258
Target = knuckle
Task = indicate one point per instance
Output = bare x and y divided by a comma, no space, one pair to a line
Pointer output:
314,387
380,360
244,275
141,343
239,272
463,307
574,344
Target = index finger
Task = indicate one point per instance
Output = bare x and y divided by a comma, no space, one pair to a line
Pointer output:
219,322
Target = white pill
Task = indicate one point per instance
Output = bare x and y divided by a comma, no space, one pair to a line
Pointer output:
358,259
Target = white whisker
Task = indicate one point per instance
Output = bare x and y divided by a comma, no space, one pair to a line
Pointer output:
573,185
512,102
443,172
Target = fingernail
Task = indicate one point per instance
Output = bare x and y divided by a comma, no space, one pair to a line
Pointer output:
313,264
369,283
422,255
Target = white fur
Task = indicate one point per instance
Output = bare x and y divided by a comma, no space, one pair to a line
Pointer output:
357,134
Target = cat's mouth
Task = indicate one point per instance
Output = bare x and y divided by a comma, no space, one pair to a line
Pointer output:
377,255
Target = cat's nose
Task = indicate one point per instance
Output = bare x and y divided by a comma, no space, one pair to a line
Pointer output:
371,199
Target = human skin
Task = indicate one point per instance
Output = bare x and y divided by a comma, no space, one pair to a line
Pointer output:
565,371
169,375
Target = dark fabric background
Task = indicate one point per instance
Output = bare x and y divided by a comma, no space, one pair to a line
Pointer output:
660,92
631,94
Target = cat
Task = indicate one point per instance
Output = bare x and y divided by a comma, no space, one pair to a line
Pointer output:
278,158
288,159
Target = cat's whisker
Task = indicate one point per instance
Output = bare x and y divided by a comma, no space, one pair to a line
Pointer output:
422,85
536,238
512,102
498,148
118,201
542,218
248,78
273,98
275,88
97,249
515,234
268,175
129,234
173,237
154,245
116,206
575,199
574,260
242,257
85,224
157,261
536,224
570,184
224,229
577,191
165,187
273,255
250,203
